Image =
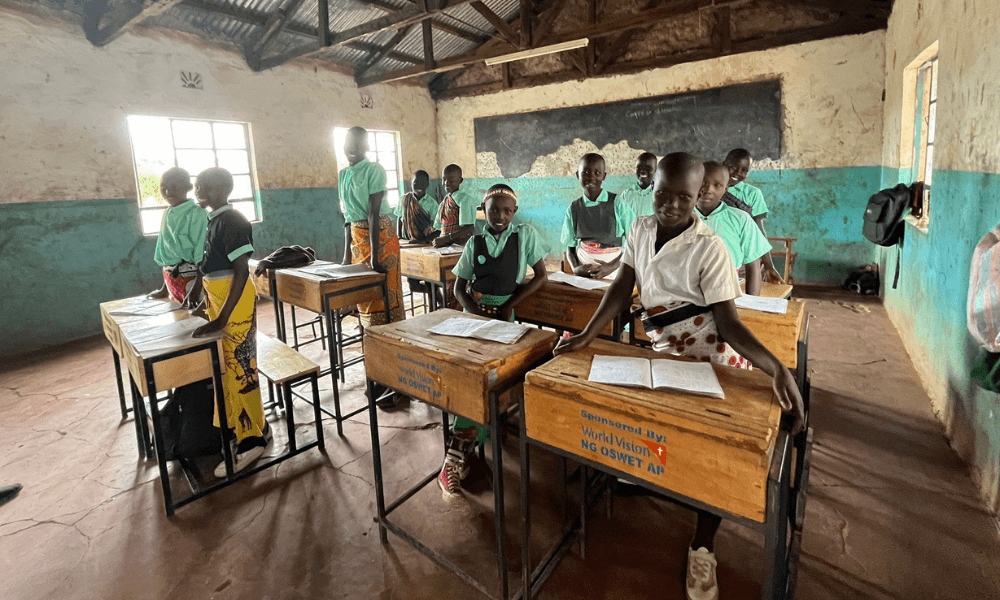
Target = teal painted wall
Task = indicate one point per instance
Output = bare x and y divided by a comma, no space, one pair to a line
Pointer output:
61,259
823,208
929,305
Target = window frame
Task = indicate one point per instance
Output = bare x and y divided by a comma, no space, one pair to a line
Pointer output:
919,136
373,151
248,148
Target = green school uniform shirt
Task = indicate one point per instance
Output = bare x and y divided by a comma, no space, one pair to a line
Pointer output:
357,183
623,219
639,200
751,195
467,204
428,202
740,233
529,246
182,235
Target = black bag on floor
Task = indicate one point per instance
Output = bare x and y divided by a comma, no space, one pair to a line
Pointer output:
186,420
864,280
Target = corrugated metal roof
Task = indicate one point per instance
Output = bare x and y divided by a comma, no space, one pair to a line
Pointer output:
236,20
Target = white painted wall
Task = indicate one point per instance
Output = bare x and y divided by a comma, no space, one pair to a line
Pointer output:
63,104
831,95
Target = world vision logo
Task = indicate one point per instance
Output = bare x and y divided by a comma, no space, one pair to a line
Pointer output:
658,450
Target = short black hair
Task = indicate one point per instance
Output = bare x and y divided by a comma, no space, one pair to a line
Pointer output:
679,164
217,176
712,166
452,168
736,155
421,174
646,156
357,131
175,173
592,157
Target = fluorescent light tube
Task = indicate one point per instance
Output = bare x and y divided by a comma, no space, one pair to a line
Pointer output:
554,48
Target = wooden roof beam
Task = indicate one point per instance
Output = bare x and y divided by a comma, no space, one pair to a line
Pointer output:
436,24
120,16
384,52
253,47
503,28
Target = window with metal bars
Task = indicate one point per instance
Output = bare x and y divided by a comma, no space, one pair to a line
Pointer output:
159,143
924,121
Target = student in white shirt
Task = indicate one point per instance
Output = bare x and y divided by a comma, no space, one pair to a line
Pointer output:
687,282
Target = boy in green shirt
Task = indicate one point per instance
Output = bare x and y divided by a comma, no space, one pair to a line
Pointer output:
416,212
745,242
181,242
456,216
738,163
639,195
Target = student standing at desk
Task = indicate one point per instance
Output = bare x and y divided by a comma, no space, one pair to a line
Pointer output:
182,237
738,163
685,274
595,223
417,211
639,195
745,242
495,262
231,303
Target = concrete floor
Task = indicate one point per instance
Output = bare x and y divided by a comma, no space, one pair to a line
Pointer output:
892,512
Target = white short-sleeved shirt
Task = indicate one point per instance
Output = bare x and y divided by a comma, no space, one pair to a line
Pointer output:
693,267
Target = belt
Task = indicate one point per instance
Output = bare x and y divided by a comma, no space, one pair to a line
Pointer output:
665,319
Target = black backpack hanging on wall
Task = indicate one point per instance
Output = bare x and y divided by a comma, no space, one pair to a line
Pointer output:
884,215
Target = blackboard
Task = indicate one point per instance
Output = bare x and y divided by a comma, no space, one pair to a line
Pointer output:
708,123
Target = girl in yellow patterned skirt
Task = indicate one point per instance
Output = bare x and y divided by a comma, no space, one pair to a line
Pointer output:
231,304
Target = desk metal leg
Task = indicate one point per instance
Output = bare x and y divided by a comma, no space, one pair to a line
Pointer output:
137,417
118,380
499,516
776,528
524,449
290,415
161,458
314,381
331,338
220,406
383,535
385,299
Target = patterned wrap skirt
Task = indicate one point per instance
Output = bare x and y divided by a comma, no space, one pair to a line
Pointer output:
373,313
696,337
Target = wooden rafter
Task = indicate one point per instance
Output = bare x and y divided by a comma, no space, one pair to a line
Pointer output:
383,53
842,27
257,41
105,20
600,30
503,28
258,18
410,15
428,44
435,23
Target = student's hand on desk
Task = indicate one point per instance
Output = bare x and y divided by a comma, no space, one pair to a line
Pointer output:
209,328
441,241
586,270
789,398
160,293
572,344
504,313
772,276
377,266
603,270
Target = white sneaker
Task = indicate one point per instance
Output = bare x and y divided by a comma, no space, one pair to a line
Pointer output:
701,583
242,460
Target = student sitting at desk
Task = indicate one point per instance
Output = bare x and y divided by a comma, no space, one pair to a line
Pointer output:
182,237
595,223
230,300
744,240
490,274
687,282
738,163
417,211
456,216
639,195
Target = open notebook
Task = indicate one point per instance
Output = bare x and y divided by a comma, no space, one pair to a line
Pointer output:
657,374
492,330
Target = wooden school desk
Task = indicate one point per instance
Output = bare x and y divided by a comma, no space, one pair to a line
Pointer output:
771,290
325,295
466,377
429,267
564,307
730,457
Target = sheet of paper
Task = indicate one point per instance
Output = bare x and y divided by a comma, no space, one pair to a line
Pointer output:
621,370
500,331
579,282
146,307
457,327
452,249
692,377
164,337
777,306
338,271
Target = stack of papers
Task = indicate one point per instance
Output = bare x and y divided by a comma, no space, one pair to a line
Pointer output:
452,249
492,331
146,308
658,374
579,282
777,306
